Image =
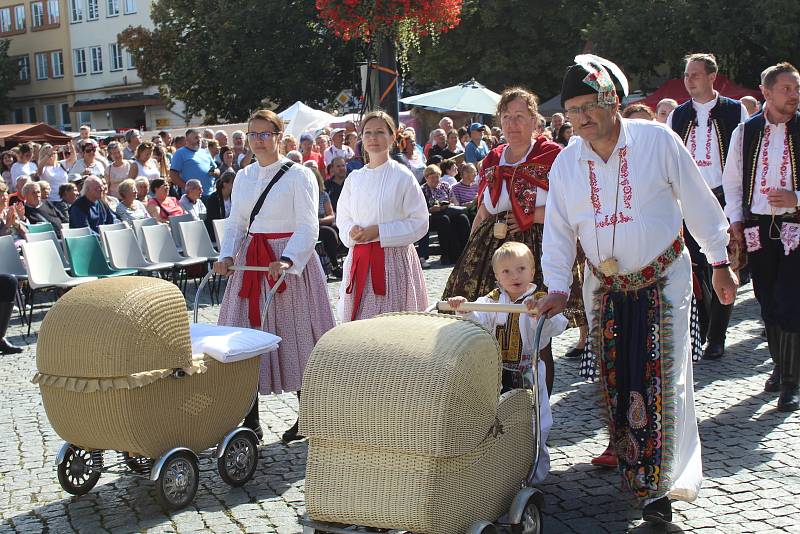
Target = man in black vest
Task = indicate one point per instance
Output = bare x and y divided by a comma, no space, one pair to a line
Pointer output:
763,191
705,123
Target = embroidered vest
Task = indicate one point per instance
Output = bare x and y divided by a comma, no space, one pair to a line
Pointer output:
724,117
751,149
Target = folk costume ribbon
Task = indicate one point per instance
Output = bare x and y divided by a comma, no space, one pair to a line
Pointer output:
259,252
368,258
521,181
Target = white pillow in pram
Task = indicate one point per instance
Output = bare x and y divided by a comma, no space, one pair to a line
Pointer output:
229,343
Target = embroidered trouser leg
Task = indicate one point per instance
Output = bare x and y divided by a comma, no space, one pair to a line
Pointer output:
776,283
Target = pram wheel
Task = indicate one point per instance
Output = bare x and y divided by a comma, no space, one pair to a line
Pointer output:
138,464
76,472
177,482
531,522
239,460
483,527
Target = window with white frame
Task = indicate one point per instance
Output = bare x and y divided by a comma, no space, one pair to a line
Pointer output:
37,14
79,60
19,17
92,10
24,68
66,121
115,53
42,66
130,6
5,20
75,10
53,12
57,64
131,60
96,53
50,114
113,8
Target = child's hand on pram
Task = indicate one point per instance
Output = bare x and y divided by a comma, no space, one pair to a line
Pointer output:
455,302
222,267
530,303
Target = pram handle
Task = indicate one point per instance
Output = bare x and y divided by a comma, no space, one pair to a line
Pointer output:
443,305
270,295
537,438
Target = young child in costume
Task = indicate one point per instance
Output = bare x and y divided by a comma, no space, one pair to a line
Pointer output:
513,267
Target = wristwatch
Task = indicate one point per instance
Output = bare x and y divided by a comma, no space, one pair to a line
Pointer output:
287,260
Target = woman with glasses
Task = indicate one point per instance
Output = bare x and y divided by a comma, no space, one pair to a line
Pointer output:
51,170
144,164
90,164
280,234
511,197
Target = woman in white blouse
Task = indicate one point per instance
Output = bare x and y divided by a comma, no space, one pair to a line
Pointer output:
282,235
381,213
144,164
118,170
53,171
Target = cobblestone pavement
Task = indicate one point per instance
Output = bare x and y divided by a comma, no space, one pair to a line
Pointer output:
751,456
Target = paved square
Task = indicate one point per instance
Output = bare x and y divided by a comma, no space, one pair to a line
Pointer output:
751,457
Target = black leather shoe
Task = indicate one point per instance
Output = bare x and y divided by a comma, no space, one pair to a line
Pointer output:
714,351
659,511
789,401
292,434
773,384
574,352
8,348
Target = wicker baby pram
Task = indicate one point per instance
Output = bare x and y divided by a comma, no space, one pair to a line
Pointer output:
406,430
116,373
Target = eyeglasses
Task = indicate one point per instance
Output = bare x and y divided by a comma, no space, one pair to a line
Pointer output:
584,109
90,150
262,136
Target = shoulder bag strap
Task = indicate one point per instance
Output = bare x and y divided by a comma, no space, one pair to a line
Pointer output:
260,202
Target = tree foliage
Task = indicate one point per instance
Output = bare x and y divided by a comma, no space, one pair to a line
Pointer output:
8,73
531,42
224,58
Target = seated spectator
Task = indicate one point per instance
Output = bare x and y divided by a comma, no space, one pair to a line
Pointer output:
17,195
638,111
6,162
328,233
25,165
337,149
449,172
129,207
288,143
142,189
309,154
89,209
118,170
161,206
410,156
476,149
334,186
466,191
227,157
46,189
453,147
438,144
564,134
41,211
218,203
452,226
67,194
12,218
296,156
190,201
90,164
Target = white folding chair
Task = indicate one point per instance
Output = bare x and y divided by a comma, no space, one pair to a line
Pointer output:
11,263
45,271
137,229
50,236
75,232
103,228
196,243
161,248
175,227
125,253
219,231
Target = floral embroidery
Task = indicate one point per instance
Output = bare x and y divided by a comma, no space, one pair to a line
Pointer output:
752,239
595,189
649,275
627,191
693,146
790,237
765,161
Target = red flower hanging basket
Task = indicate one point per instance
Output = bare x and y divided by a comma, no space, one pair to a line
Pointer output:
365,19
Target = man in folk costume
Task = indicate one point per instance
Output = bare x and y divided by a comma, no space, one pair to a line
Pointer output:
763,192
620,190
705,123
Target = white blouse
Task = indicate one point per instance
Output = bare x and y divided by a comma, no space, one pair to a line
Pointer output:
388,196
56,176
504,202
660,178
149,170
290,207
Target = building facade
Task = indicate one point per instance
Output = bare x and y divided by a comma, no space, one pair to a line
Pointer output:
73,71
